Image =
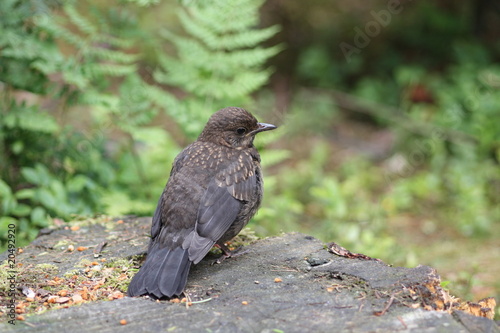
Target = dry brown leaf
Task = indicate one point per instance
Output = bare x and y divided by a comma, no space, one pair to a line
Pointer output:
61,300
52,299
77,298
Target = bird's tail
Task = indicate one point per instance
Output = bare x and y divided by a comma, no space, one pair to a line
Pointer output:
164,273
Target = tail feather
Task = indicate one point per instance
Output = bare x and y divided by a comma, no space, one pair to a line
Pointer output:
175,283
164,273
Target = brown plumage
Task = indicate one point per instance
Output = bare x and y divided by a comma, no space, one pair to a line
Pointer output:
214,188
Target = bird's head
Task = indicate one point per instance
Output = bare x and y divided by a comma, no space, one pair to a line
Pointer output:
233,127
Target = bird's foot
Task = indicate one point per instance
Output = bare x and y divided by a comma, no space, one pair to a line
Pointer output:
226,253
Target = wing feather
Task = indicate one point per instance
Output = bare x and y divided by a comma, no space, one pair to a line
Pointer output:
220,205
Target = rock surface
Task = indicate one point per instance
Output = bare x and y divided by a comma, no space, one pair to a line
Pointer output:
290,283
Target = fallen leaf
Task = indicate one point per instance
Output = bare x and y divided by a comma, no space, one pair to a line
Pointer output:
52,299
28,292
84,293
117,295
42,292
61,300
77,298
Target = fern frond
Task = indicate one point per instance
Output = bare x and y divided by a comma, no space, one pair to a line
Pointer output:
20,46
237,87
217,40
97,70
101,102
247,59
246,38
29,118
73,74
79,20
106,54
56,29
114,41
144,3
226,16
220,63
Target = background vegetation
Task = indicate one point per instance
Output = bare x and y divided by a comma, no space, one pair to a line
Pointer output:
391,150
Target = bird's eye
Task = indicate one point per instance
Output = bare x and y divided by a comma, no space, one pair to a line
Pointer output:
241,130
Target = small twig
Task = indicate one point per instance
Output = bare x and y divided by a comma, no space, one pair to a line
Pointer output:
339,307
361,305
188,300
284,269
202,301
422,297
362,296
343,252
130,238
387,306
402,322
99,248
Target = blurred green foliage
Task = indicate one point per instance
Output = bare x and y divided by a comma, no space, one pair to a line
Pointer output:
459,159
431,77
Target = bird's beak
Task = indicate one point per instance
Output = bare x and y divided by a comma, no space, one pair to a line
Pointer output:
264,127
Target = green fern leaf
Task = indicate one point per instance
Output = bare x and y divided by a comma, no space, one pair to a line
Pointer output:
217,40
80,21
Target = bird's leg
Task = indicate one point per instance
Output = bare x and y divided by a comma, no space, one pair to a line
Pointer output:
226,253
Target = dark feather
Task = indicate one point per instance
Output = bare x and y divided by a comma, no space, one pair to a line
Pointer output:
156,223
164,273
217,211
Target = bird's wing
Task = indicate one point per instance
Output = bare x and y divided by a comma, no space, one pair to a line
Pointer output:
220,205
156,224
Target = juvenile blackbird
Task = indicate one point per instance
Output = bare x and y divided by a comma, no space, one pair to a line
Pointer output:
215,187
